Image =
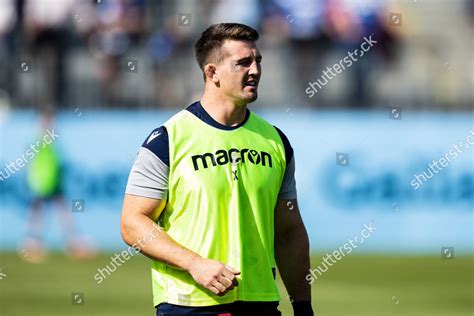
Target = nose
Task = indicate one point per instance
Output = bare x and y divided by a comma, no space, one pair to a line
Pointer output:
255,69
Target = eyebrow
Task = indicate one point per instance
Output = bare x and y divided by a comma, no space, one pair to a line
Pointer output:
248,57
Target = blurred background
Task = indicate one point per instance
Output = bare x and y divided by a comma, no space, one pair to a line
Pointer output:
82,83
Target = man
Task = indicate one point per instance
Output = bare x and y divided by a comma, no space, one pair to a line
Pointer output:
220,182
44,180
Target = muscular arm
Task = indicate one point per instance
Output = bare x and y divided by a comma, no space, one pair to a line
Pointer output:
292,250
138,227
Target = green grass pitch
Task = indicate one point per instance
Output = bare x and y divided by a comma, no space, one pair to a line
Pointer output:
358,285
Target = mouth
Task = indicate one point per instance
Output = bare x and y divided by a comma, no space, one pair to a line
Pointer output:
253,84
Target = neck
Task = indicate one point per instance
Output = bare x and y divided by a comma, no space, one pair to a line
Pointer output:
224,111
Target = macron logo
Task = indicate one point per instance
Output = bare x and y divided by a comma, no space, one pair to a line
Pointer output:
153,136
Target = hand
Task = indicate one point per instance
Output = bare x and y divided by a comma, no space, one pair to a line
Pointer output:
215,276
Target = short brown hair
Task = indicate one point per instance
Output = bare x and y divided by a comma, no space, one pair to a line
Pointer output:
213,37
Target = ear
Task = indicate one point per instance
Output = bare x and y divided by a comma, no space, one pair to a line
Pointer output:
210,71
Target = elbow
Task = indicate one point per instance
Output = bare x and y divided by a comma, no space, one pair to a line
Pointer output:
126,231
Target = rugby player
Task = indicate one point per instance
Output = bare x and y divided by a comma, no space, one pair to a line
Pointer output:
213,193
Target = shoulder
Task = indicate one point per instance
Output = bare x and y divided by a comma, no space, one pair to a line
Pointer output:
262,123
158,140
260,119
288,149
176,119
157,143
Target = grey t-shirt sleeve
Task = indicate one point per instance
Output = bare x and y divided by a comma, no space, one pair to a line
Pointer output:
288,186
149,176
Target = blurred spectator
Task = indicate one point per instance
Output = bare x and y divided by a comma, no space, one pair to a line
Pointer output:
470,11
163,47
299,40
47,27
8,33
121,27
308,43
44,179
7,16
348,22
244,11
171,50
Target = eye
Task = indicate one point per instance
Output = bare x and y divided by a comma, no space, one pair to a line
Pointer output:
245,62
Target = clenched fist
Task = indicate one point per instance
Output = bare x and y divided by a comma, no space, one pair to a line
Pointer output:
215,276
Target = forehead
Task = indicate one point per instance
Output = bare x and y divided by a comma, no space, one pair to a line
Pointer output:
239,49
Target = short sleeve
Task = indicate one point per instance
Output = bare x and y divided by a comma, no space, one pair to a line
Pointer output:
150,171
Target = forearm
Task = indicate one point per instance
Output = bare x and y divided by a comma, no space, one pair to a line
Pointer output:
292,257
151,240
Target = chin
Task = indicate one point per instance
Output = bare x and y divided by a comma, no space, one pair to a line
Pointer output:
251,98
